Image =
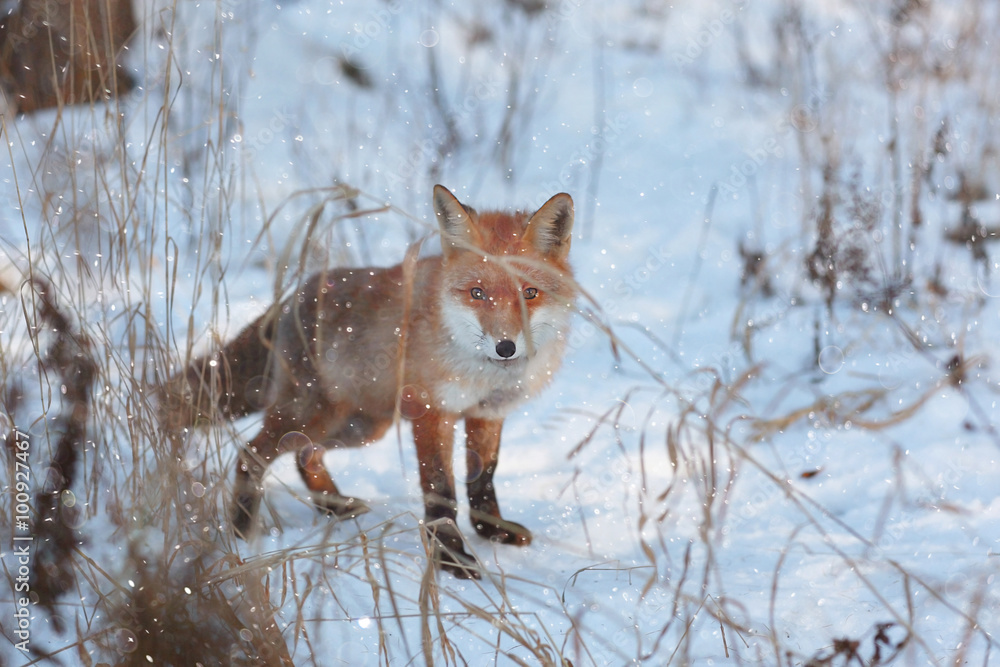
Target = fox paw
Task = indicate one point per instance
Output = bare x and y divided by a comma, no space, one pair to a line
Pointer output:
449,551
460,565
341,507
501,531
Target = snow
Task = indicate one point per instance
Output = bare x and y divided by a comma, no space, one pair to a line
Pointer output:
744,474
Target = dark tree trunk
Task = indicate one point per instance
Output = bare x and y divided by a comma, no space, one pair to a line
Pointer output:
58,52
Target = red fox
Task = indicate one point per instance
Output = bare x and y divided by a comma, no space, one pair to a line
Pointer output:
468,334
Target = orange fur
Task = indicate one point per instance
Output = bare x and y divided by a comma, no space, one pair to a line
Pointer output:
466,335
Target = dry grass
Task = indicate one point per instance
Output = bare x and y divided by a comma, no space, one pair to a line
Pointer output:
135,558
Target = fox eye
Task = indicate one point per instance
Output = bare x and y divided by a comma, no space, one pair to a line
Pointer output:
530,292
478,293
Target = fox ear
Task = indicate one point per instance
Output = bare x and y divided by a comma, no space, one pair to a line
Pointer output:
550,229
455,220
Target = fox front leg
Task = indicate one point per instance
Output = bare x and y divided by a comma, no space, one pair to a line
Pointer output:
482,451
434,435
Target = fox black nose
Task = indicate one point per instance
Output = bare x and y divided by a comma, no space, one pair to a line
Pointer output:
506,349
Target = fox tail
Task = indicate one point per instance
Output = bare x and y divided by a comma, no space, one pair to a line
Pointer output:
227,384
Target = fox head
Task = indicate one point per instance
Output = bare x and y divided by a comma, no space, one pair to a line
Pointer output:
507,290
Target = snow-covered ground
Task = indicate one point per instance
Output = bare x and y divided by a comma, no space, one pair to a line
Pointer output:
760,463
